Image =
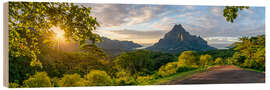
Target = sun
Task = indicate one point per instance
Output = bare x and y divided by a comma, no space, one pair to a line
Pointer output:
59,33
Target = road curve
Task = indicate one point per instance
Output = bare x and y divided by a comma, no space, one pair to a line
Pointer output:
223,74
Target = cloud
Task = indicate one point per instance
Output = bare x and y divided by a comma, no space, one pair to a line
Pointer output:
217,11
221,40
143,23
111,15
142,37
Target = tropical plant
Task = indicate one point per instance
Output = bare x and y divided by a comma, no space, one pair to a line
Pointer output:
168,69
71,80
40,79
219,61
134,62
30,21
98,78
13,85
188,58
205,60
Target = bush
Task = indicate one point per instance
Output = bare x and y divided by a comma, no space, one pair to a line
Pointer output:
188,58
124,78
40,79
144,80
71,80
13,85
168,69
219,61
185,68
205,60
98,78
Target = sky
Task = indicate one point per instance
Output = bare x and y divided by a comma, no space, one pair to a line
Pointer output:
146,24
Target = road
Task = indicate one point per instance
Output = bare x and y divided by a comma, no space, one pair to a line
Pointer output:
223,74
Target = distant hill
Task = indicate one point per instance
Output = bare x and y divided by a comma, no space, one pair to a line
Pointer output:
115,47
178,40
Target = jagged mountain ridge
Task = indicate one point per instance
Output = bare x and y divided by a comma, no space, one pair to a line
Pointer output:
115,47
178,40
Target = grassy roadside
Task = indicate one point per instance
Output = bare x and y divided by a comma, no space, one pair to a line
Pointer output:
177,76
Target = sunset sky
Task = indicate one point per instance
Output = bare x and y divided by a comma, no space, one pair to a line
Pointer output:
146,24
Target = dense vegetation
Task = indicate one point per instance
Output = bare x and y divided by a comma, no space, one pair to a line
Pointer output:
35,61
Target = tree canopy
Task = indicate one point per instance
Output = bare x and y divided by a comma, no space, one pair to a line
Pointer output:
231,12
29,21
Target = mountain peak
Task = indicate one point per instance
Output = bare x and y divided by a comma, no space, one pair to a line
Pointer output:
178,28
177,32
178,40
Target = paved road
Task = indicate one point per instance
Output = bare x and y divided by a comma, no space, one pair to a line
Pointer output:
223,74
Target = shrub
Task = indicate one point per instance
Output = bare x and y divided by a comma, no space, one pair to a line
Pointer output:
124,78
205,60
13,85
219,61
144,80
98,78
188,58
168,69
71,80
40,79
185,68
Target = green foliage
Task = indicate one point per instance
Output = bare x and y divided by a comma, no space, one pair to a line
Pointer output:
40,79
188,58
72,62
29,21
13,85
223,53
124,78
160,59
205,60
219,61
260,59
144,80
20,69
98,78
168,69
231,12
250,52
135,62
71,80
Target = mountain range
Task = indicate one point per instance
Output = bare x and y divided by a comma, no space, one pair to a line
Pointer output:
175,41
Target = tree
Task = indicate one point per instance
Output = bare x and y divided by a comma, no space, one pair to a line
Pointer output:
231,12
29,21
71,80
135,62
188,58
20,69
219,61
98,78
168,69
250,52
205,60
260,59
160,59
40,79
